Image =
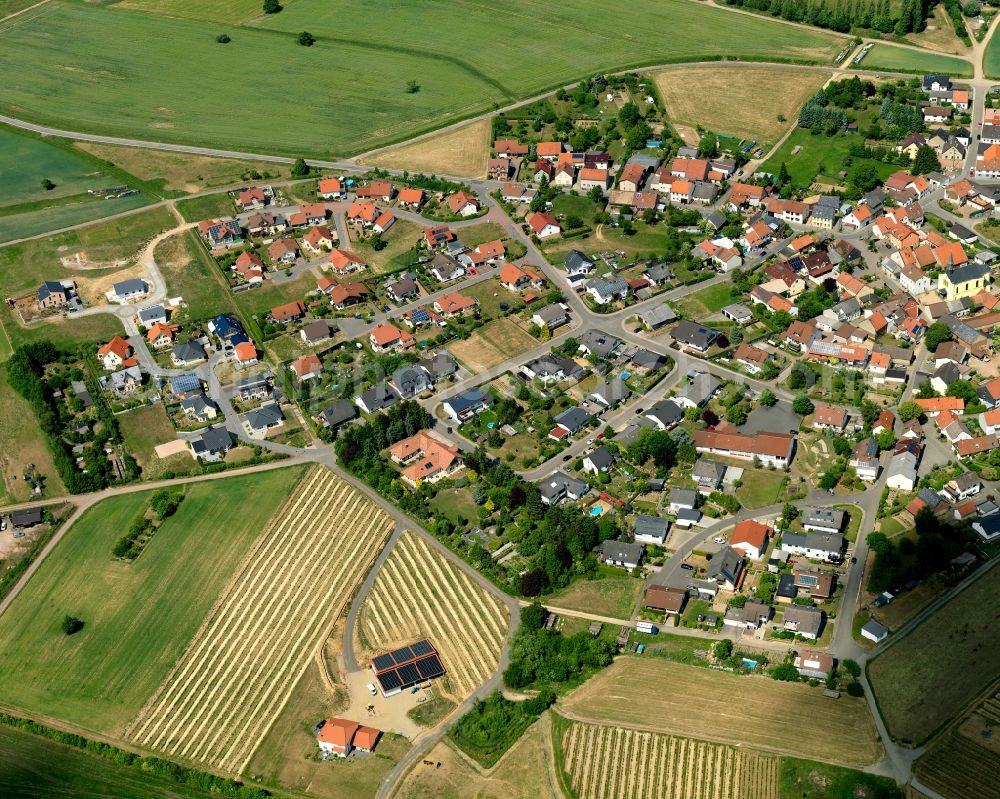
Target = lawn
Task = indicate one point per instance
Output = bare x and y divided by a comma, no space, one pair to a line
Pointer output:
644,241
706,301
613,593
761,487
139,615
754,98
885,56
108,245
66,333
183,171
957,639
260,301
400,240
492,344
474,235
33,766
211,206
455,504
807,779
23,444
191,274
146,427
574,205
690,701
819,155
161,62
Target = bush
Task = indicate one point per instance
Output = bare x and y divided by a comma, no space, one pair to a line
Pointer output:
855,689
271,6
223,38
851,667
71,625
306,39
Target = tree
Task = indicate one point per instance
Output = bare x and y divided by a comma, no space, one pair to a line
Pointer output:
936,334
869,412
850,666
963,389
783,175
842,446
596,195
412,87
48,185
271,6
886,439
708,146
926,161
723,650
709,417
767,398
802,405
736,415
864,177
909,410
306,39
71,625
796,379
300,168
629,115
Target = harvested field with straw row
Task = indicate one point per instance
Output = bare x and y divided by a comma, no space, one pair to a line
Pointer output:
231,683
615,763
419,594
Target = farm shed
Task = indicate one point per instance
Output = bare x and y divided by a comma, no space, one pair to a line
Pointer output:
397,670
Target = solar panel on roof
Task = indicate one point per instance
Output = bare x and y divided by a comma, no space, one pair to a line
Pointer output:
382,662
402,655
389,681
408,673
421,648
430,667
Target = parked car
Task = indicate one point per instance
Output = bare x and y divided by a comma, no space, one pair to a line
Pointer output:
372,689
687,566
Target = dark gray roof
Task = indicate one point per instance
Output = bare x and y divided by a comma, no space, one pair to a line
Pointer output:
131,286
378,397
968,271
318,330
646,359
214,439
622,551
650,525
573,419
666,412
612,391
832,543
468,399
575,259
693,334
708,470
265,416
824,517
599,342
602,457
809,620
339,412
726,565
189,351
26,517
684,496
51,287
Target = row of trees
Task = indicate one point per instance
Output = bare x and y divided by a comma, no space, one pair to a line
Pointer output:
900,560
845,15
818,116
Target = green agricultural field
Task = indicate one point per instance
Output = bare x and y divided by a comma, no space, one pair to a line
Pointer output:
808,779
32,766
161,62
819,155
885,56
991,58
949,656
260,301
614,593
33,223
139,615
25,161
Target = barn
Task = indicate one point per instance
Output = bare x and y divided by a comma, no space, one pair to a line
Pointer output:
397,670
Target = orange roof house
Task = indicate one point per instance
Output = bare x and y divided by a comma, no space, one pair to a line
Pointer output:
549,149
289,311
365,738
161,334
934,405
386,336
424,457
307,367
330,187
245,352
115,353
543,224
348,294
750,537
247,261
317,237
413,197
364,210
344,262
336,735
460,200
454,303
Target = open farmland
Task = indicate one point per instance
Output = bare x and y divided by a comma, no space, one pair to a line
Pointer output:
225,692
461,152
839,731
57,69
139,615
418,593
604,762
958,767
885,56
753,97
959,638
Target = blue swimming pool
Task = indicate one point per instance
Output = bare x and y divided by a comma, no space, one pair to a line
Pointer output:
596,511
626,375
750,664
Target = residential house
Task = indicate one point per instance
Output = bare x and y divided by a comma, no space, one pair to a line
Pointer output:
425,458
605,289
805,621
750,538
665,414
768,448
708,475
683,499
693,336
650,529
829,417
551,316
316,332
213,444
464,406
347,294
559,486
599,460
823,520
902,472
543,225
815,546
726,568
376,398
260,421
621,553
115,354
611,392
